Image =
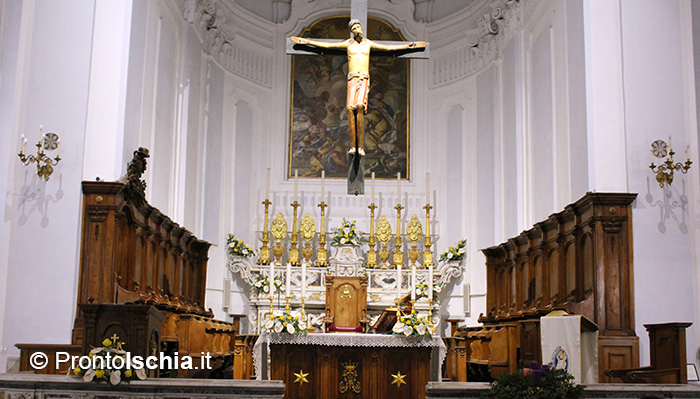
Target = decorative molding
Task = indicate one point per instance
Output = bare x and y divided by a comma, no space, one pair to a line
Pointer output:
483,43
220,41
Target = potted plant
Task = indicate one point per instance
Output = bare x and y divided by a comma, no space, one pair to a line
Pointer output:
535,382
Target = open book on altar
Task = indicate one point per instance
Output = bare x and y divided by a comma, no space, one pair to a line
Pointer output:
385,322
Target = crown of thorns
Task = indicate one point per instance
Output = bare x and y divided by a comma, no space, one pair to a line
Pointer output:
354,22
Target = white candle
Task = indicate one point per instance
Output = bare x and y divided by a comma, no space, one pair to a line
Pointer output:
427,188
373,187
303,280
430,282
21,143
24,145
398,281
687,152
670,146
398,188
651,156
288,289
413,282
323,184
296,183
271,278
58,148
267,185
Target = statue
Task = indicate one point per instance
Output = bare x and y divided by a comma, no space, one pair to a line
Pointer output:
358,49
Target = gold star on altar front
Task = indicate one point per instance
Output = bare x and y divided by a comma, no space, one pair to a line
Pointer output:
398,379
301,377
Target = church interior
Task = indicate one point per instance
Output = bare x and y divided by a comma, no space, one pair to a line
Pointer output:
184,168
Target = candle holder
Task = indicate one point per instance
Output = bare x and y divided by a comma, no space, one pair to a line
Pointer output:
44,164
294,251
427,252
308,231
430,315
303,309
398,254
371,254
264,258
664,171
322,255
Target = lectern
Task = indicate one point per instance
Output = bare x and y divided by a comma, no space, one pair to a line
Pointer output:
570,342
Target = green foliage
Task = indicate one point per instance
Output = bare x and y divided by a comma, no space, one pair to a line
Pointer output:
535,383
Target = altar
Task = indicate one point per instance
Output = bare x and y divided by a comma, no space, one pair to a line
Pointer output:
340,365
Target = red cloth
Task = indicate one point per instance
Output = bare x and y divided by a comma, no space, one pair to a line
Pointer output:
358,329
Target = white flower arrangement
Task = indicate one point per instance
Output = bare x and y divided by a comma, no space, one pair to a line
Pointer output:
262,284
236,247
104,370
455,253
422,290
289,322
347,234
412,325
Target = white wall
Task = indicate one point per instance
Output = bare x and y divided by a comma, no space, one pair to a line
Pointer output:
657,105
45,81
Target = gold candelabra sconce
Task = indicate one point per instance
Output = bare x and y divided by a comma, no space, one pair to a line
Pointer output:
44,164
666,168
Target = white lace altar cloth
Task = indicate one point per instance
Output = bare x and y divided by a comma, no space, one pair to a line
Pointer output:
345,339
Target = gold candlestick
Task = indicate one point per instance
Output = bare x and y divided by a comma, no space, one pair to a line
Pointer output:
264,258
322,256
371,254
427,252
430,315
294,251
398,254
303,309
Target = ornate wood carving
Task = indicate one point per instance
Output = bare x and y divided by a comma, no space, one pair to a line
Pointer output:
583,257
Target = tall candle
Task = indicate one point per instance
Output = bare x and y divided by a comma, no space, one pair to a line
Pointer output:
271,278
687,152
430,282
58,148
398,281
427,188
413,282
670,146
288,288
323,184
373,187
267,185
296,183
303,280
21,143
398,188
24,144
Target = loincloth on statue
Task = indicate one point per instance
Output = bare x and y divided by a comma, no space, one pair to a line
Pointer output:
358,90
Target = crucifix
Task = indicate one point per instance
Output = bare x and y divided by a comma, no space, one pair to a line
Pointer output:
358,50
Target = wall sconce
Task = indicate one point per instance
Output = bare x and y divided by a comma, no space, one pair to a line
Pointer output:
44,164
664,171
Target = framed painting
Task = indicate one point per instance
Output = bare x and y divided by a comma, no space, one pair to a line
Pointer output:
319,138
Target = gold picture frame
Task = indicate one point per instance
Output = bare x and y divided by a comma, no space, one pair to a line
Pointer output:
318,133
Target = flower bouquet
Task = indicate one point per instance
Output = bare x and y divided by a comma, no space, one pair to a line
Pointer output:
412,325
286,321
236,247
347,234
422,290
262,284
455,253
108,363
536,382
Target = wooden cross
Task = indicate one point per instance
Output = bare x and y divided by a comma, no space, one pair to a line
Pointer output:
358,51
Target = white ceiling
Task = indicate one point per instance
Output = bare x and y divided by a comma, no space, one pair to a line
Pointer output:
425,10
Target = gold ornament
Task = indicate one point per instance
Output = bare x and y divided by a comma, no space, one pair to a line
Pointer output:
279,227
301,377
414,230
398,379
307,227
350,381
383,230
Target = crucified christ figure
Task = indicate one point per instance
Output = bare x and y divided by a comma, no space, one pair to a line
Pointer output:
358,48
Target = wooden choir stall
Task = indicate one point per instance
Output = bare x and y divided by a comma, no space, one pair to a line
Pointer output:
142,277
578,260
